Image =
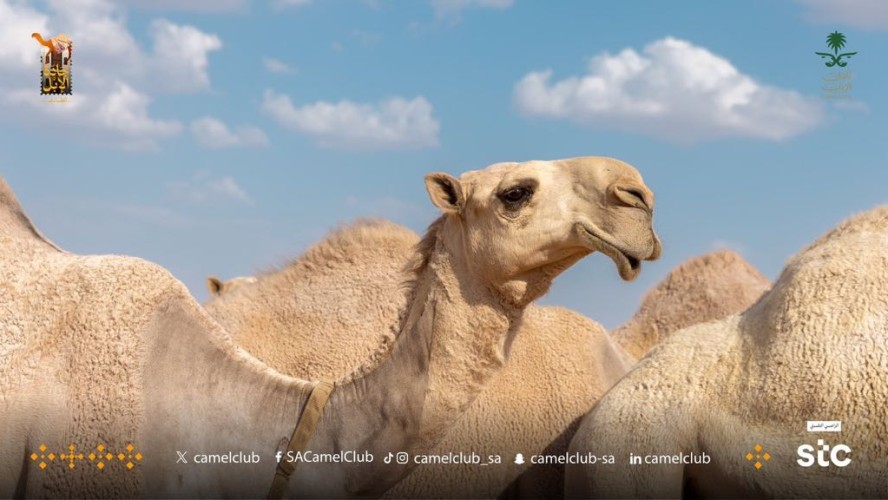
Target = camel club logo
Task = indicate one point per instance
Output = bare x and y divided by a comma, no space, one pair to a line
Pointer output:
836,85
55,64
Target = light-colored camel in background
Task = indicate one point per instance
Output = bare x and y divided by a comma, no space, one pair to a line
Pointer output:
329,310
114,350
705,288
815,347
301,320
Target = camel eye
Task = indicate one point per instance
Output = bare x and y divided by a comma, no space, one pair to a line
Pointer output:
516,196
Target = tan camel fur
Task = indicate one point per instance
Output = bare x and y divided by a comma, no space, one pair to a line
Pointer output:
300,320
113,349
815,347
559,364
328,311
703,289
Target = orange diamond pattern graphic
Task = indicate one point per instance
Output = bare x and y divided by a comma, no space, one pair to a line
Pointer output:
71,457
758,456
42,457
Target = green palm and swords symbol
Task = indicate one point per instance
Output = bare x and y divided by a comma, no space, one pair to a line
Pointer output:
835,41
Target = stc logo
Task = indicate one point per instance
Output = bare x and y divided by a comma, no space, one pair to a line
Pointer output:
826,456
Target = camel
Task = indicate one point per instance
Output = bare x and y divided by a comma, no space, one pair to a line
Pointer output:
302,320
741,390
702,289
345,292
559,364
114,350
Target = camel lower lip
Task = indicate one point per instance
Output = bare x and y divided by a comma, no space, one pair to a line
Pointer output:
627,265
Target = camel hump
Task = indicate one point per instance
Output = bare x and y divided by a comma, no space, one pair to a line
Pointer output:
722,269
841,276
702,289
871,221
15,225
362,237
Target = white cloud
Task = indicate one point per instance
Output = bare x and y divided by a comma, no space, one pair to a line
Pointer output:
673,90
394,123
118,120
277,66
213,133
452,9
180,61
18,51
114,78
203,189
102,43
125,111
865,14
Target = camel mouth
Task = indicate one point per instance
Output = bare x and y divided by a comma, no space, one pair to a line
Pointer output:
627,265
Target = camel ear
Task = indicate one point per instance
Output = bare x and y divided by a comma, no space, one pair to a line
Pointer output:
446,192
214,285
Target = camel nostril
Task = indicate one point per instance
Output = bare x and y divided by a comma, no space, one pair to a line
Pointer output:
633,197
636,193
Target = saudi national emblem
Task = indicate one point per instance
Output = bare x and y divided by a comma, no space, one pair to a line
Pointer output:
835,41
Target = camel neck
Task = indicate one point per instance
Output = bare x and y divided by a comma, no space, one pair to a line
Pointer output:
224,401
453,339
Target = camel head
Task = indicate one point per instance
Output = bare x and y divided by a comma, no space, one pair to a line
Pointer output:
217,287
519,225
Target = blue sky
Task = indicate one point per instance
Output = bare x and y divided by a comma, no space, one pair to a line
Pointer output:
223,137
